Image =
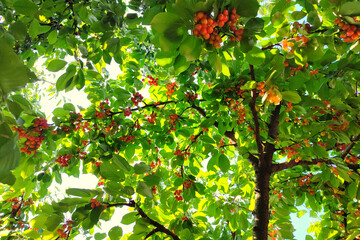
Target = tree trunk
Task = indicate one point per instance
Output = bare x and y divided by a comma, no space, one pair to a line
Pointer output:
263,170
261,212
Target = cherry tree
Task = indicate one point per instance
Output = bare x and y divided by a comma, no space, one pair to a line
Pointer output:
225,117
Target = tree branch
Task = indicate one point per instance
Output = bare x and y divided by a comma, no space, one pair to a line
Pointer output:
292,163
285,165
272,46
274,123
146,106
152,233
273,132
129,204
229,134
354,167
253,160
254,95
158,227
349,147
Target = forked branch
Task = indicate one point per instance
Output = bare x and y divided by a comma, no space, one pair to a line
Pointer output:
229,134
158,227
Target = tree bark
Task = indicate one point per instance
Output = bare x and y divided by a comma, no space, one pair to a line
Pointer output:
261,212
263,170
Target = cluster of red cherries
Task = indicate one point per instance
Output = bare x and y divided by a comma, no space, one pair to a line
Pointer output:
209,29
33,136
137,98
63,160
105,109
178,196
350,33
187,184
153,81
65,229
128,138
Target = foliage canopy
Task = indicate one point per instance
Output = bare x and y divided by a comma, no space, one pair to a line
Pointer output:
224,118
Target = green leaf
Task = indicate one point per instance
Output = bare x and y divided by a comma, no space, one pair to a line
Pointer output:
25,7
52,37
165,58
111,171
80,214
352,236
122,94
52,222
255,56
130,151
208,122
212,162
8,178
69,107
141,168
121,162
254,25
350,9
165,20
249,85
74,201
246,8
277,18
66,79
129,218
9,154
56,65
314,19
319,151
128,190
206,138
140,228
190,48
60,112
32,234
14,108
351,189
291,96
18,30
100,236
115,233
38,221
36,28
13,73
24,103
297,15
312,202
143,189
215,61
150,13
83,50
341,137
95,214
224,163
181,64
225,69
152,180
82,192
